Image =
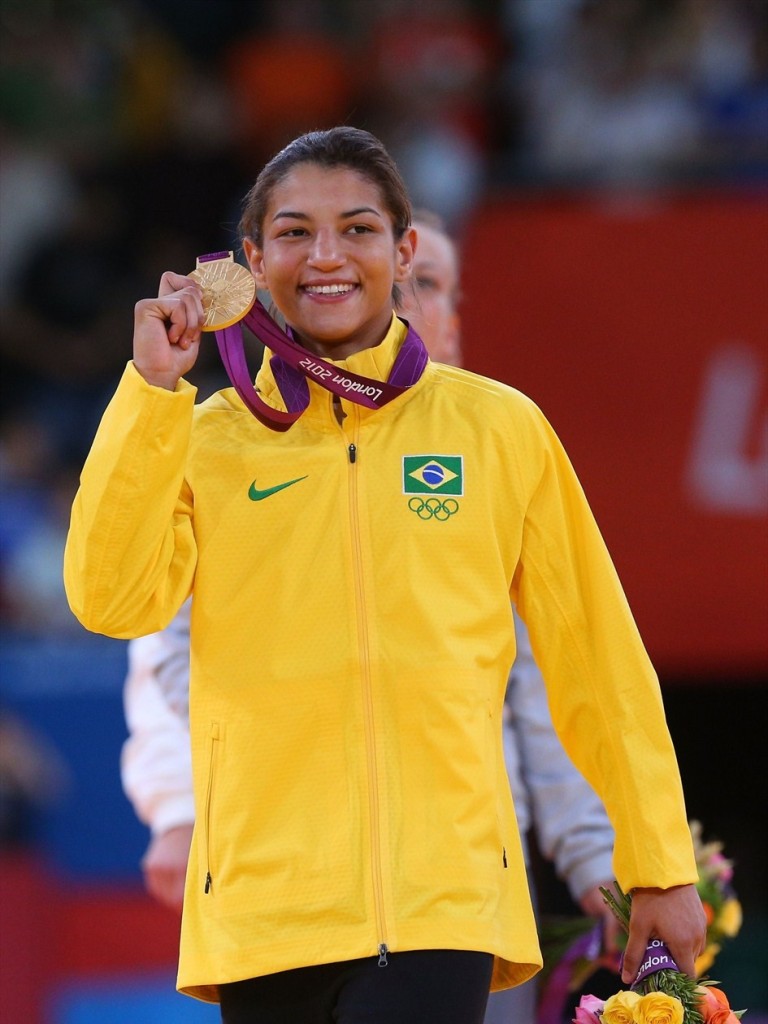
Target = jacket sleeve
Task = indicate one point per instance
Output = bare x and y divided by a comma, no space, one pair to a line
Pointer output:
572,828
604,696
130,554
156,764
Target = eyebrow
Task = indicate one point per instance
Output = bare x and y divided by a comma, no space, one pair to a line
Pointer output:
294,215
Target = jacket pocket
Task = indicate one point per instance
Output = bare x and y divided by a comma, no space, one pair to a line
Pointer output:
214,742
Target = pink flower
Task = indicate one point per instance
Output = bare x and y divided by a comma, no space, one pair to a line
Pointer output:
588,1011
723,868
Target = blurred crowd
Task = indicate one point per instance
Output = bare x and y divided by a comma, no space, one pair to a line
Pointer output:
130,130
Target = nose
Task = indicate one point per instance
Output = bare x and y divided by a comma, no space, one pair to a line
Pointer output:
326,251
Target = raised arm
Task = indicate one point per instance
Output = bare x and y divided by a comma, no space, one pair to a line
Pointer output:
130,554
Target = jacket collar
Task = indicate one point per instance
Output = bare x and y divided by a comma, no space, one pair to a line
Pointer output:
375,362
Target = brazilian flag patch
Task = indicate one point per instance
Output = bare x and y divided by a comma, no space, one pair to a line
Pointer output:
433,474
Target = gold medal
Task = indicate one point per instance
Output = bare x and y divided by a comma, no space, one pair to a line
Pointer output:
229,290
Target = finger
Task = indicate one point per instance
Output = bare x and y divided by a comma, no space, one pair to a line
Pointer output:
177,286
684,958
173,890
194,315
633,955
179,310
171,282
185,317
162,885
154,884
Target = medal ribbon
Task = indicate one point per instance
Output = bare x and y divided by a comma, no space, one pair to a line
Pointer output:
292,365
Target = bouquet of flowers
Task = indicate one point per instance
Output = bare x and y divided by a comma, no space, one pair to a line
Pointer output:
660,994
657,1007
572,946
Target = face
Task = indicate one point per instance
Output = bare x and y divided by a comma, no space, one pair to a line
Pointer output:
329,258
430,298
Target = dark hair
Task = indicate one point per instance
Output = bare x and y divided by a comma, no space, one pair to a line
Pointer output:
336,147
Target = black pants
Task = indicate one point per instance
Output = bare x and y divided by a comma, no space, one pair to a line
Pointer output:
431,986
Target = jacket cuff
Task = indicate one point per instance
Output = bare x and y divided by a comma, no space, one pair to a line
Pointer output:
183,387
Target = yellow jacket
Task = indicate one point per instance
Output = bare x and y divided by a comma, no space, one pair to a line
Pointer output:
351,639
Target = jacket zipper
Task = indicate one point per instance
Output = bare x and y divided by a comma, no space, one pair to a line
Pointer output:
370,725
209,805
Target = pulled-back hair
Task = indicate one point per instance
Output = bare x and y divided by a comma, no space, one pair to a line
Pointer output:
336,147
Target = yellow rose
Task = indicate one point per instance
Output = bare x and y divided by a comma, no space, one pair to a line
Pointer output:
619,1008
729,920
658,1008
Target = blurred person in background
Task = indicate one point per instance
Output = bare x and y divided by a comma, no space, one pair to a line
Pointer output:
571,825
635,92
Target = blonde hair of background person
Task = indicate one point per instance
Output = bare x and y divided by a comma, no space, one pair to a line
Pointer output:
352,802
571,824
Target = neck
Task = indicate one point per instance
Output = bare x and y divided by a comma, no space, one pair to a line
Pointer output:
334,350
337,349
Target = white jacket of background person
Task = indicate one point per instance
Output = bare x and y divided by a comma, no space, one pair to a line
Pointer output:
571,826
156,761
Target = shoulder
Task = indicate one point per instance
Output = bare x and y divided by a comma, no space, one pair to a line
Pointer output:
489,396
223,414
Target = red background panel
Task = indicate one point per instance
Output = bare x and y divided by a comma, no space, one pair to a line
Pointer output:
613,316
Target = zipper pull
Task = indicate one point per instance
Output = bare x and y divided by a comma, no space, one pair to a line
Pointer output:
352,452
208,881
383,950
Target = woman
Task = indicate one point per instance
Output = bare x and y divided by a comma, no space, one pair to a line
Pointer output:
352,807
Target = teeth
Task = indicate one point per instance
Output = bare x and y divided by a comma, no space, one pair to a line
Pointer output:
329,289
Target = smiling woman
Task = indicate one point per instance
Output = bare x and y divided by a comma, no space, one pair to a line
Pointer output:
352,810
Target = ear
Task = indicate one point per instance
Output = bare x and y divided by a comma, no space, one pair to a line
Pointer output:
404,253
255,258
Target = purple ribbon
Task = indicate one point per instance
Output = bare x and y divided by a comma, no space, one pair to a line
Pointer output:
292,365
657,958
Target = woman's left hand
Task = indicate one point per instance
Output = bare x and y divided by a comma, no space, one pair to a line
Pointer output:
675,916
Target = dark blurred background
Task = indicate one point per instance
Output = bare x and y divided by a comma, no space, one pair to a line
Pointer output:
604,166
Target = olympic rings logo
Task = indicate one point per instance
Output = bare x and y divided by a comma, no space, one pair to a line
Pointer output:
434,508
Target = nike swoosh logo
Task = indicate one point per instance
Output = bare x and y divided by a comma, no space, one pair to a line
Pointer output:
256,495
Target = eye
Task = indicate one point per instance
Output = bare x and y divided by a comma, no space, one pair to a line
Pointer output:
359,229
296,232
426,283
